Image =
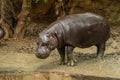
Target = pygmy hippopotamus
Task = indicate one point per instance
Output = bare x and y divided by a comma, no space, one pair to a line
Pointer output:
2,33
76,30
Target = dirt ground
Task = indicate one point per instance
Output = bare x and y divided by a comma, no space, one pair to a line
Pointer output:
20,56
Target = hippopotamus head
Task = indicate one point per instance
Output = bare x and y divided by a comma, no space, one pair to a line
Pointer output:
46,43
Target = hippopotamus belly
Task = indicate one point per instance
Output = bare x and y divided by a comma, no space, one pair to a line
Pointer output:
86,37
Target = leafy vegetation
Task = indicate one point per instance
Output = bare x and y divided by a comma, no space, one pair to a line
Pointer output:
36,1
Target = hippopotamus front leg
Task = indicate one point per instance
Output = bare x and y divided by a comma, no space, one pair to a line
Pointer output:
70,59
100,50
62,55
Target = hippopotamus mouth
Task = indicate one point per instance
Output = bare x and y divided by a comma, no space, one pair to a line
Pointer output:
42,56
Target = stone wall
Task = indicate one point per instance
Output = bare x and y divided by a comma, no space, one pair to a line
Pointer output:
50,76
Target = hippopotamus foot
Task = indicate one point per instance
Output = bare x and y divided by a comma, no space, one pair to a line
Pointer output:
100,50
62,62
71,62
100,56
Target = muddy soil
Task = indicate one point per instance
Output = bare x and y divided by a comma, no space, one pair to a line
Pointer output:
19,56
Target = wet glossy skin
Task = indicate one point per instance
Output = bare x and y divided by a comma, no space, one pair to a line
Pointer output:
77,30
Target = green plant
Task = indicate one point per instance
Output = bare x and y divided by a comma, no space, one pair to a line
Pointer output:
36,1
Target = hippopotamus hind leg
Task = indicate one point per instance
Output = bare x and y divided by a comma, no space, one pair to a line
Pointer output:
100,50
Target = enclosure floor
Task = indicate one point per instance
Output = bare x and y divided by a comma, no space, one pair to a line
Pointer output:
20,56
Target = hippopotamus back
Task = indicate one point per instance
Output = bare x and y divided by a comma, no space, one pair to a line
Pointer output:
81,30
